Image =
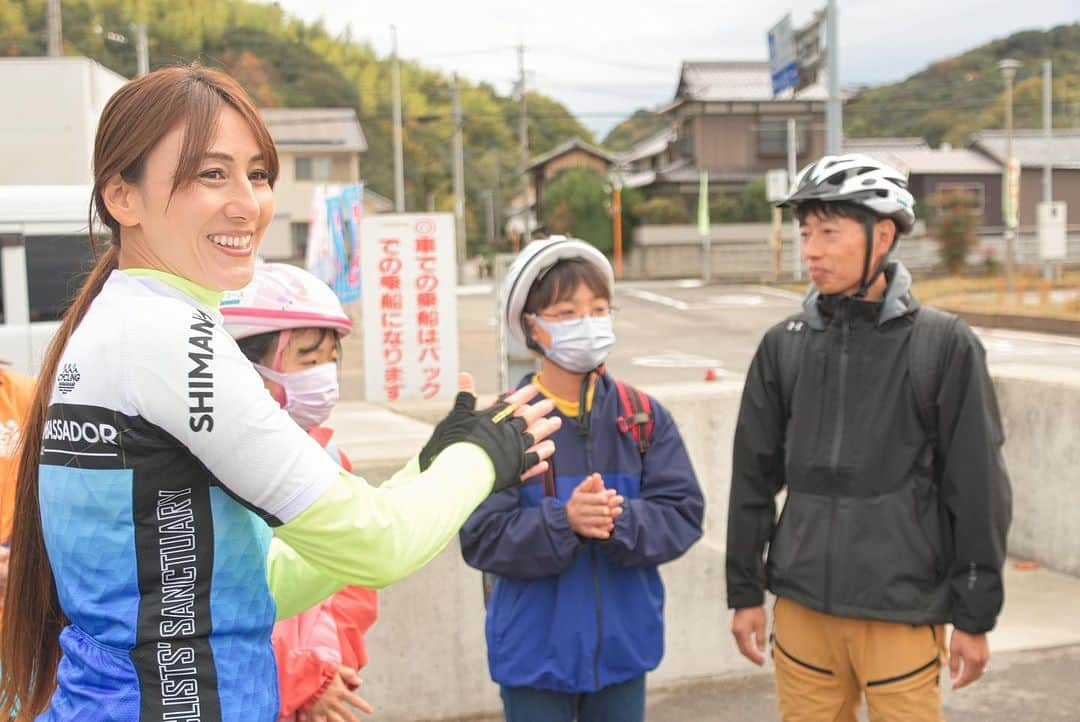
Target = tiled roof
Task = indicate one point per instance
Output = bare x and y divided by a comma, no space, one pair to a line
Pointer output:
1029,146
734,80
315,128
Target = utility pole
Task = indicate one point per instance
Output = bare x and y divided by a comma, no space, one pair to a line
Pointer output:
489,202
1008,68
399,156
53,29
792,169
459,183
524,130
834,121
142,49
1048,161
1048,132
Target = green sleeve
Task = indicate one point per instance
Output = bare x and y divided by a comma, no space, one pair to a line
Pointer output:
374,536
295,585
404,475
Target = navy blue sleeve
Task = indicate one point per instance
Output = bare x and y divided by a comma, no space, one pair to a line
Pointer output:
665,520
507,539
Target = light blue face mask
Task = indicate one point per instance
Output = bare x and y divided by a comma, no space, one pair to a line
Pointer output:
580,344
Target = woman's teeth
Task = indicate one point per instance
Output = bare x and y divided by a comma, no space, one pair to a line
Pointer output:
232,241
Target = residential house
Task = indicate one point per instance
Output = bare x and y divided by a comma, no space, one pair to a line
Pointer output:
572,154
1031,149
725,120
316,146
934,170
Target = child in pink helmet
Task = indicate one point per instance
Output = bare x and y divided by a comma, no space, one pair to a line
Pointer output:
290,325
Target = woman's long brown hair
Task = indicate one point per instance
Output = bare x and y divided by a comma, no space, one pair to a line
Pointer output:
133,122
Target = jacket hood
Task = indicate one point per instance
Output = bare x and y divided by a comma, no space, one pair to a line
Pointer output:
898,300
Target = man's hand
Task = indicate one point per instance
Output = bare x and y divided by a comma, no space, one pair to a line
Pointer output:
968,655
333,705
592,509
748,628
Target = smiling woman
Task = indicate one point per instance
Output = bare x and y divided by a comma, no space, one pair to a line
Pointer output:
144,577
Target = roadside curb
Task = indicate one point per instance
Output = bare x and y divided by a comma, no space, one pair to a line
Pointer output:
1014,322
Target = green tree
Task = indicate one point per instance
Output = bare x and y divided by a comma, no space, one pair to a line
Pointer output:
578,203
639,126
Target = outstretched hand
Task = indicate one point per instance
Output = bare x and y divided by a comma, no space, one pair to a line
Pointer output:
512,432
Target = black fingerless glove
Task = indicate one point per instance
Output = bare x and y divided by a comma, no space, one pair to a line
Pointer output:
496,430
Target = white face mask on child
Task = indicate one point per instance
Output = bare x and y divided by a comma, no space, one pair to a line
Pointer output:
580,344
310,395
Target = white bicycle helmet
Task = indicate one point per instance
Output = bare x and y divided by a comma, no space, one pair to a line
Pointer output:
859,179
530,266
282,297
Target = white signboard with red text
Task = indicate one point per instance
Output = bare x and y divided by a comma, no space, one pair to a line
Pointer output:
409,299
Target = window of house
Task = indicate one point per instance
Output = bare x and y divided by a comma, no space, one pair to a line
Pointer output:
686,139
978,190
772,138
298,232
314,168
55,267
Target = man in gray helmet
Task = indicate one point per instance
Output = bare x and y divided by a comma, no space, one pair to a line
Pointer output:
879,418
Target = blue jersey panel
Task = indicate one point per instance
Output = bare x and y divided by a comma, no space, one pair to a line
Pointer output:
96,684
87,519
240,601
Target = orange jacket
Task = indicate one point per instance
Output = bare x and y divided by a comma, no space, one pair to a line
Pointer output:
16,395
311,646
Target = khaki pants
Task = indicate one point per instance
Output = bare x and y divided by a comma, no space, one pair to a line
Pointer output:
825,664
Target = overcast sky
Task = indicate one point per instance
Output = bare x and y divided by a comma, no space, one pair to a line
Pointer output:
604,59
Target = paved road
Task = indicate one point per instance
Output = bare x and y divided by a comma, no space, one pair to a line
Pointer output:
1030,686
671,331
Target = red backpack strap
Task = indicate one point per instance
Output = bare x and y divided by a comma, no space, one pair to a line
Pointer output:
637,419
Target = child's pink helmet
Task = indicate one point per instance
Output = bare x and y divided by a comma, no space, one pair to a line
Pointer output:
282,297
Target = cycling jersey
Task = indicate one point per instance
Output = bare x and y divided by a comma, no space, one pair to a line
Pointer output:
164,463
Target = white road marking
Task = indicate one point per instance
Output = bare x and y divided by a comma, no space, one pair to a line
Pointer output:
657,298
779,293
736,300
680,360
1026,336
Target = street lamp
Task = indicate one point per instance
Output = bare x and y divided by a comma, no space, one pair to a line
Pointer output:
1008,68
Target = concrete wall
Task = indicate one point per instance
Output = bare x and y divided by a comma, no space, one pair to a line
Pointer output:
741,251
427,651
1041,414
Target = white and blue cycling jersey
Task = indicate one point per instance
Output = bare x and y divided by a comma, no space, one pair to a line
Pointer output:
165,463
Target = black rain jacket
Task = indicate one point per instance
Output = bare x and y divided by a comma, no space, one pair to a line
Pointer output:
876,524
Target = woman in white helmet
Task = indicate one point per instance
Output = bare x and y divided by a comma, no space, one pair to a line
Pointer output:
290,324
575,618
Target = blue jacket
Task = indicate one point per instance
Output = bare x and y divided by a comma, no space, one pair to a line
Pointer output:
571,614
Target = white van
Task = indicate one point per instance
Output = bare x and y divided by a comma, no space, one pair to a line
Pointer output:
44,256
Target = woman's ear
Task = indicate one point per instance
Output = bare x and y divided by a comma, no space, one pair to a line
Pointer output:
120,201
